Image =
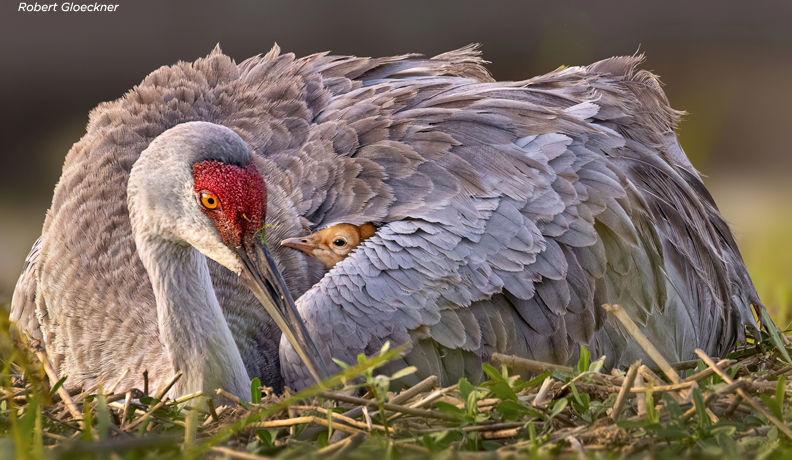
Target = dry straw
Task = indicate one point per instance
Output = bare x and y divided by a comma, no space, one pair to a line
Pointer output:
626,411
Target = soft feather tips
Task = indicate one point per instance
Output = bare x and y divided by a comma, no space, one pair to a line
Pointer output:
644,90
273,53
466,62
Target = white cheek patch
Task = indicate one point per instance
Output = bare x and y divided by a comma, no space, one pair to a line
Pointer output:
210,245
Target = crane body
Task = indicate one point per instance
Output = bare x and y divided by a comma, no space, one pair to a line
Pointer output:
506,212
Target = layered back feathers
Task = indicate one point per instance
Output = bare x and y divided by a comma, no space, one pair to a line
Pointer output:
509,212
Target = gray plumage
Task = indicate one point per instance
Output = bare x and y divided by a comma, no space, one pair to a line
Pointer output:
509,212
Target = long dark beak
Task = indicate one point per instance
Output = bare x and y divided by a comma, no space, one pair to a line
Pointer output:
262,277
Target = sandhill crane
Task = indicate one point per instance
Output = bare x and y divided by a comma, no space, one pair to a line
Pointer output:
507,212
332,244
192,193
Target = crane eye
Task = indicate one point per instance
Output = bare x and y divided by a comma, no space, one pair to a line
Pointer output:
340,242
210,201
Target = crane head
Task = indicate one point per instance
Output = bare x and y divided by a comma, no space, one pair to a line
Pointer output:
197,185
234,198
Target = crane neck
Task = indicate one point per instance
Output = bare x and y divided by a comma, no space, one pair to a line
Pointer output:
191,323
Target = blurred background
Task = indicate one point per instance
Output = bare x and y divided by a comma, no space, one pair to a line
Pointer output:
729,64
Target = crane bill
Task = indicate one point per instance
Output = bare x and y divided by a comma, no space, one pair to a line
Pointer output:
261,276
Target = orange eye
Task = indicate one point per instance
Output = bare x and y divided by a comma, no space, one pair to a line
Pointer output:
210,201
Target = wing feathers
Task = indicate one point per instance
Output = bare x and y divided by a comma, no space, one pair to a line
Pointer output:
511,211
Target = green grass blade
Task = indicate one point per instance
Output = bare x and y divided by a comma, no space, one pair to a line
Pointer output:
255,391
584,361
701,409
191,426
103,420
87,434
780,392
37,448
57,386
465,388
775,337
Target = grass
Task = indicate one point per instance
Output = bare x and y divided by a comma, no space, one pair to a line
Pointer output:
523,409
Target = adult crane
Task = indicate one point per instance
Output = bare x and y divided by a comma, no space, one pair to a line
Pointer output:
506,212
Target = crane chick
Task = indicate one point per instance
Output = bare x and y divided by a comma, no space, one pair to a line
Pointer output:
332,244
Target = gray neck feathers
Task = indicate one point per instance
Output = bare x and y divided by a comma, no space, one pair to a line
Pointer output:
173,237
191,323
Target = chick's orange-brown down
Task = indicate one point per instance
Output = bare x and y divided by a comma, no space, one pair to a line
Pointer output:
332,244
